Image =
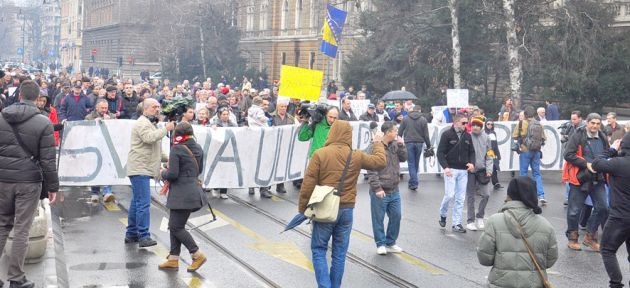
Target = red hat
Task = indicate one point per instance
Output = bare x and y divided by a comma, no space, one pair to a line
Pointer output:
225,90
478,120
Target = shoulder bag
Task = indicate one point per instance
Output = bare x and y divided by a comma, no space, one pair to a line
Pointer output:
545,281
323,206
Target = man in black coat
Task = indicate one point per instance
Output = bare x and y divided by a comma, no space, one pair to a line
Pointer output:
370,114
415,130
617,228
26,163
129,103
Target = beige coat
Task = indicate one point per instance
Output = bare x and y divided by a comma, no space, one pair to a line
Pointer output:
146,151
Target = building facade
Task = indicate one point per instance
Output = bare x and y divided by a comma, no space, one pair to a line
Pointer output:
116,36
278,32
71,34
51,31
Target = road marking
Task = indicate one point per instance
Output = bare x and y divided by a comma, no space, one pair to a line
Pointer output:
286,251
124,221
111,207
276,198
196,282
404,256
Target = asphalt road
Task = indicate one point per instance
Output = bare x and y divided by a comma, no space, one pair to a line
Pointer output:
246,248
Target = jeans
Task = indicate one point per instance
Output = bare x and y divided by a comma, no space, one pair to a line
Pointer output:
340,232
390,205
471,191
454,187
177,227
527,159
576,202
96,190
138,217
616,232
414,150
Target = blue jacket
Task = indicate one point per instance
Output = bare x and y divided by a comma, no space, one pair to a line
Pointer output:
72,110
553,113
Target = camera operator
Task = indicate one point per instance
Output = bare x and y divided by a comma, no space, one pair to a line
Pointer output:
315,126
585,146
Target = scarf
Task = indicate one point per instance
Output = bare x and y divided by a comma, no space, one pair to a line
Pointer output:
180,139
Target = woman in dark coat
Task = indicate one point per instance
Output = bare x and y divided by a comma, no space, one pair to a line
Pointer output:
489,129
185,195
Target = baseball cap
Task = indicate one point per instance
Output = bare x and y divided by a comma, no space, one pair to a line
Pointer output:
371,106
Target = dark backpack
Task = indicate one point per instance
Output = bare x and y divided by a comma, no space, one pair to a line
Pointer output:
535,136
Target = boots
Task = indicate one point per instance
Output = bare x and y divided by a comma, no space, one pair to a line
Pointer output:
590,240
172,263
573,241
198,260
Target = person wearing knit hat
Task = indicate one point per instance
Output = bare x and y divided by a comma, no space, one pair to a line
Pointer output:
617,228
479,179
502,245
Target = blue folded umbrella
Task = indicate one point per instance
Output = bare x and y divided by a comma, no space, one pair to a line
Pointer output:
297,220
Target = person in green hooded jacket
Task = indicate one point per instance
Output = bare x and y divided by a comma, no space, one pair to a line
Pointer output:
316,131
501,244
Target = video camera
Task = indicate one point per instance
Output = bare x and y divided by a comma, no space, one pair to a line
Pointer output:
314,111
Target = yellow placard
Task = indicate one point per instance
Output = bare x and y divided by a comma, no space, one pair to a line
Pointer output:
300,83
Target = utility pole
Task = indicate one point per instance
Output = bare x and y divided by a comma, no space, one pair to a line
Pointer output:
23,31
203,52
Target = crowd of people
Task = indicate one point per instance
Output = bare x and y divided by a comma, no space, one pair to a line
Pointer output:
596,194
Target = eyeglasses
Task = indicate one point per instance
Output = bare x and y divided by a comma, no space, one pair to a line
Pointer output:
464,123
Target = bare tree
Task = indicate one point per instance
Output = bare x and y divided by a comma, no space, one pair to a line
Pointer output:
454,7
514,59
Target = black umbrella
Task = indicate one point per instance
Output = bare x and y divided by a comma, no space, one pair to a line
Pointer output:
398,95
297,220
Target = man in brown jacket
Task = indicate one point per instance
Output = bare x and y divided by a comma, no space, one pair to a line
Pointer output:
325,168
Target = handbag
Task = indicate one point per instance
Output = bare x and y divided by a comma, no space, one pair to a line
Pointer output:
323,206
481,177
43,194
545,281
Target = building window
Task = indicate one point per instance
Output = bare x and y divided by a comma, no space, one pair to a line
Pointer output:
251,9
311,18
264,15
311,61
297,58
284,15
284,58
298,13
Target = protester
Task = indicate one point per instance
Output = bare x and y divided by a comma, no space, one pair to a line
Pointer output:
479,179
585,146
503,246
185,195
114,101
540,114
318,131
144,163
325,168
74,106
530,136
129,103
617,228
553,113
614,131
202,117
281,118
492,136
415,131
346,112
101,113
189,115
370,115
381,113
508,107
44,105
24,132
256,118
456,155
384,192
223,121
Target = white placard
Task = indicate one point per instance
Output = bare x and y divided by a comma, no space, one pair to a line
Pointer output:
457,98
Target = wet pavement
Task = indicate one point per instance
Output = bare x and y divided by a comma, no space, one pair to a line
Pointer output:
246,249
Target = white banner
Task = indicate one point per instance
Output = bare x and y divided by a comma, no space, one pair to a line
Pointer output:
96,154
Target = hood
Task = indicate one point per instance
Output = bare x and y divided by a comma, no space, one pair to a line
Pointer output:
340,133
20,112
415,115
523,214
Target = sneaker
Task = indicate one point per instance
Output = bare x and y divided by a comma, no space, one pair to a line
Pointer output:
542,201
147,242
413,189
265,193
131,240
109,197
480,224
497,186
582,227
21,284
252,191
94,199
281,190
459,228
223,196
566,202
394,249
471,226
381,250
442,222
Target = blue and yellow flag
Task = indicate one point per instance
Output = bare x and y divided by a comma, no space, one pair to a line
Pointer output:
332,30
